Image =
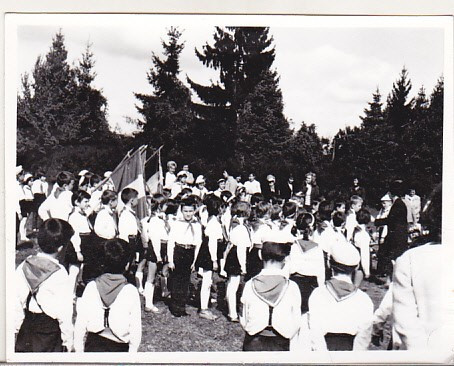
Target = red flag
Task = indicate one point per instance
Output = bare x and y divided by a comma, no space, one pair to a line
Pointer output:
130,174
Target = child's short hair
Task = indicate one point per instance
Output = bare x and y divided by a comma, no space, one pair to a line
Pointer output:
128,194
363,216
275,251
78,196
240,191
197,199
324,210
94,180
54,233
339,204
156,201
338,219
304,223
186,191
171,164
116,255
189,201
108,196
241,209
261,209
289,209
256,198
172,207
213,204
64,177
39,174
355,199
275,212
226,195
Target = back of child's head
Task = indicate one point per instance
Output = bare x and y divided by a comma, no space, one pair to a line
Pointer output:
324,211
262,209
115,256
94,180
108,196
53,233
275,212
338,205
241,209
338,219
186,191
289,209
256,198
172,207
226,196
128,194
305,223
65,177
78,196
275,252
39,174
156,202
213,204
189,201
363,216
355,199
431,216
397,188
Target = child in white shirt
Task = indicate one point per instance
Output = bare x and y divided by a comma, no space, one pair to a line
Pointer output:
58,204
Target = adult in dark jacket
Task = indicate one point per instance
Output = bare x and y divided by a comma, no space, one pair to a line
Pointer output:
396,241
310,191
357,190
287,189
270,190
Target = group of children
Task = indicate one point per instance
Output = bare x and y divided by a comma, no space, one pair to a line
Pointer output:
302,266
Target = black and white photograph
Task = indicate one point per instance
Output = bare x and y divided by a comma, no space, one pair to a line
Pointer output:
213,188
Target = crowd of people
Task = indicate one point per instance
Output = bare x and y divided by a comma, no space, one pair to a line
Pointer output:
295,261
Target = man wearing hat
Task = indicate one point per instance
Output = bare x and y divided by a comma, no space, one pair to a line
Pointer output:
221,187
270,190
340,314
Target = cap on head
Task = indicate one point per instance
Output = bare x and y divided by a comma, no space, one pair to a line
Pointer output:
182,174
345,254
19,169
27,176
107,174
270,178
200,179
83,172
386,197
222,180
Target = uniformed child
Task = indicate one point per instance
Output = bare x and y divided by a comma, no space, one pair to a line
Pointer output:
82,230
185,238
361,240
340,314
109,316
207,260
106,223
236,253
40,189
26,205
58,204
260,230
153,234
324,233
271,303
43,304
356,202
129,230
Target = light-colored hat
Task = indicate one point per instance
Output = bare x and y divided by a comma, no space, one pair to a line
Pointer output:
221,180
27,176
386,197
345,253
107,174
182,173
200,179
19,169
83,172
270,178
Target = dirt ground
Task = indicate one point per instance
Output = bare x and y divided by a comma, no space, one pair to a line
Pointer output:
165,333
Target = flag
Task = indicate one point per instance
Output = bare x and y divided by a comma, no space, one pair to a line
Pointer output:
154,170
130,174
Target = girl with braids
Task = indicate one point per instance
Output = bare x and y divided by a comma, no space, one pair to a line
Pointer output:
236,252
287,221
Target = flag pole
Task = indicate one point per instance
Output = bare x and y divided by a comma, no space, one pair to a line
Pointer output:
157,151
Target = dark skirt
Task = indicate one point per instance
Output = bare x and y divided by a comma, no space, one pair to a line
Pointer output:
232,265
150,255
164,251
339,341
97,343
26,207
260,342
38,199
253,263
91,247
306,284
204,257
39,333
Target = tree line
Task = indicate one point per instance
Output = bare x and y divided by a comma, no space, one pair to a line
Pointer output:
236,123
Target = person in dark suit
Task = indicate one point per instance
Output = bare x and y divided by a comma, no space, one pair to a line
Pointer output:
287,189
396,242
356,189
270,190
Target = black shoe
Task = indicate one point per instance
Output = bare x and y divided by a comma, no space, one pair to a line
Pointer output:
179,313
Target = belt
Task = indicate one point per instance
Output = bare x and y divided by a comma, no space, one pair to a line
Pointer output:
185,246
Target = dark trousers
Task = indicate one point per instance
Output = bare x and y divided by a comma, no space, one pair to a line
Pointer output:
339,341
181,275
253,264
39,333
260,342
97,343
306,284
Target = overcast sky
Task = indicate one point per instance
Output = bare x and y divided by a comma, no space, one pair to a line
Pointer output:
327,73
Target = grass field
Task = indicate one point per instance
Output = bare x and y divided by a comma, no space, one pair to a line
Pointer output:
166,333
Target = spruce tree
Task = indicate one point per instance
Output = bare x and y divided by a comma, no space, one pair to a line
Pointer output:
167,118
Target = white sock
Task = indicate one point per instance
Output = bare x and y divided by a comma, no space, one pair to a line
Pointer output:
139,279
22,230
205,289
232,288
73,272
148,293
